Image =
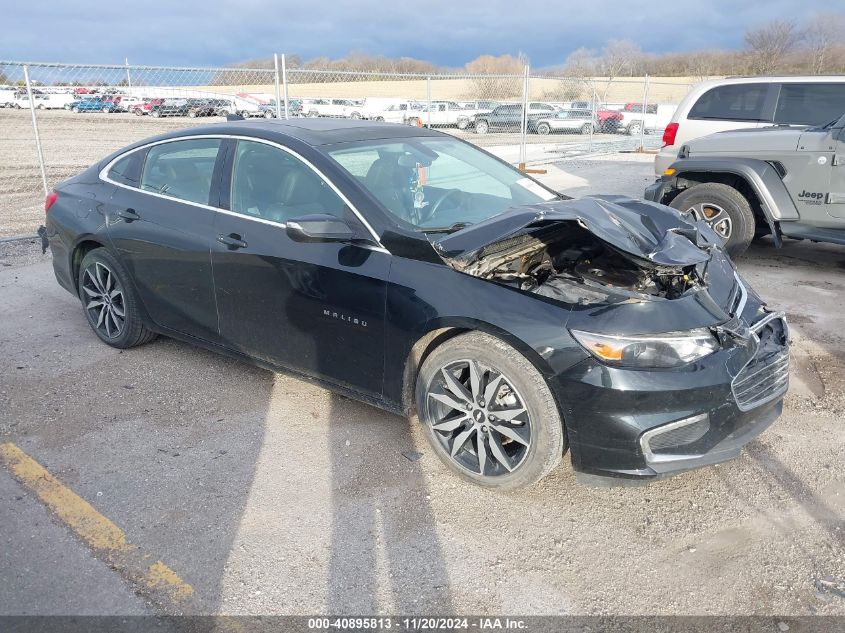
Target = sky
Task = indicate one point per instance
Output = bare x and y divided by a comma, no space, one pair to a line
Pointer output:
448,33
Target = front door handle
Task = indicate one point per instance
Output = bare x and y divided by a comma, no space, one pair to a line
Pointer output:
129,215
233,241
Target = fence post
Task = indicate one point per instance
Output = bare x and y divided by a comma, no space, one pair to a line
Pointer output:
285,85
428,97
524,126
35,130
278,93
593,112
128,78
645,107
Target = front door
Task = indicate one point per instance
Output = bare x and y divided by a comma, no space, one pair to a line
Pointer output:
313,307
836,191
160,221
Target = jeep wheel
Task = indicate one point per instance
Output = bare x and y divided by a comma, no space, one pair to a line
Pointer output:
488,413
543,129
724,208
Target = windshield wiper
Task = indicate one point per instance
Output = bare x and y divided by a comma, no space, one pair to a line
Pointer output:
457,226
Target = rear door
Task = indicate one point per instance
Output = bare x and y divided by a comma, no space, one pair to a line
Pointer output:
161,224
313,307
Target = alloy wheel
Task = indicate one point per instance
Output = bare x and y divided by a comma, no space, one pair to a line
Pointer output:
104,300
717,217
479,418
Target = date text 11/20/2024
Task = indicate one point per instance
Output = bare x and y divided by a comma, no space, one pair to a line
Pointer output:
417,623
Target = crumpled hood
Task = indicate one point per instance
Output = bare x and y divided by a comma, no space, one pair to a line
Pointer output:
763,139
652,233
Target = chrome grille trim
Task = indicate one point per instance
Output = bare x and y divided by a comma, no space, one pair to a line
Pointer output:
762,380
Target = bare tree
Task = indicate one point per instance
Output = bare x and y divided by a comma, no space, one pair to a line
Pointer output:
821,34
617,57
768,45
496,77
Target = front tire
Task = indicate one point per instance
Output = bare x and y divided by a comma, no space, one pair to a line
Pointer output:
543,129
488,413
586,128
482,127
109,302
724,208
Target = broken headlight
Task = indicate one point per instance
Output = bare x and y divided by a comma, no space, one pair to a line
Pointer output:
671,349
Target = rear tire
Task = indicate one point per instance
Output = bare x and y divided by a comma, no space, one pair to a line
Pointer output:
586,128
482,127
543,129
725,209
532,442
101,271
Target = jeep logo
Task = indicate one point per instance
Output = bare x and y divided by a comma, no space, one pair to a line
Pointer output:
345,318
811,196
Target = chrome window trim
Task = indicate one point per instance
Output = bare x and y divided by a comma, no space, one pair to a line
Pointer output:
103,175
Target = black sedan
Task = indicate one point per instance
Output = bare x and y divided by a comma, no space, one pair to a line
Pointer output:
416,272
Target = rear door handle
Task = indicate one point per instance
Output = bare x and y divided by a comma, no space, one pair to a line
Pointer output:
129,215
233,241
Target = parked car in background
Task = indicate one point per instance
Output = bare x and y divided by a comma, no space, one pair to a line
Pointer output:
146,106
787,181
268,110
170,107
200,107
655,118
126,103
730,104
580,121
239,106
508,118
7,98
94,104
441,114
332,108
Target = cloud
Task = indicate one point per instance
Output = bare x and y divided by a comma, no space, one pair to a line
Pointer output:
214,32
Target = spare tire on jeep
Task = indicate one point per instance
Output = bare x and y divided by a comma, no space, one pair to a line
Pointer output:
724,208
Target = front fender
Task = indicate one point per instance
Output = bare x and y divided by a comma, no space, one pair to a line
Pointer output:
763,179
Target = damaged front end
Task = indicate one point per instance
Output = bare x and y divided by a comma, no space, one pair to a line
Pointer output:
588,251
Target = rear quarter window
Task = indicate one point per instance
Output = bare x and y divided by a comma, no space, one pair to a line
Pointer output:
810,103
734,102
127,170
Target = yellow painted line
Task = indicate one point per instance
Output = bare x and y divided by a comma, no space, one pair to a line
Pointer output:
155,581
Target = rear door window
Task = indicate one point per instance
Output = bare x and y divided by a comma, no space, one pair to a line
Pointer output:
181,169
810,103
734,102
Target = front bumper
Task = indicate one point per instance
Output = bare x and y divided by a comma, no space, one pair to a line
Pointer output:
642,425
656,190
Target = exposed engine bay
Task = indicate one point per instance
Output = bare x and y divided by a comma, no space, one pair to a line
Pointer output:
565,261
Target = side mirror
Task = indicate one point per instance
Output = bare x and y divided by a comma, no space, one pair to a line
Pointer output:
319,227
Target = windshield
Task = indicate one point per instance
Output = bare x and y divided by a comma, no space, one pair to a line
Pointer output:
437,184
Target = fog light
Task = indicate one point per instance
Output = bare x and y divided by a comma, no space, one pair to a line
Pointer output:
662,442
669,171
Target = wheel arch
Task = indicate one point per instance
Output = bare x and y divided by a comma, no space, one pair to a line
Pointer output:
83,246
440,331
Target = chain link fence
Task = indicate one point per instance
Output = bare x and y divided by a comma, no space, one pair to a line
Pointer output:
57,119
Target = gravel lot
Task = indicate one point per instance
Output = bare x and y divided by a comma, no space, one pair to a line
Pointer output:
71,142
271,495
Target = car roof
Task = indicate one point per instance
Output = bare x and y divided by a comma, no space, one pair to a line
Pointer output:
317,131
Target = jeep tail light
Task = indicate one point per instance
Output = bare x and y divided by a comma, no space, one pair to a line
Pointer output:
50,200
669,134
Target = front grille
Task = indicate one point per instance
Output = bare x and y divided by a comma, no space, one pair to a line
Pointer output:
766,376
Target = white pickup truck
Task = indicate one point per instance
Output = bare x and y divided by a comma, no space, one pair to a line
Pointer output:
332,108
655,119
443,114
